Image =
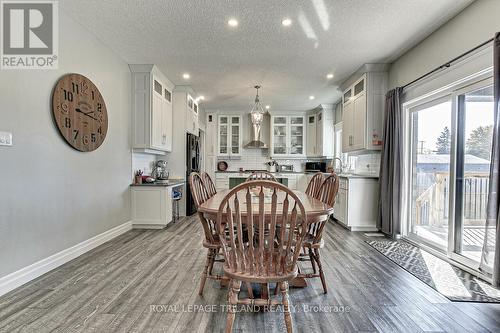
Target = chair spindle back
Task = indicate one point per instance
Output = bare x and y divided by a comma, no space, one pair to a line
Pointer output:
327,194
200,195
209,184
314,185
270,247
262,175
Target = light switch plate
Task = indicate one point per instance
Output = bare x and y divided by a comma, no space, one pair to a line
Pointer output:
5,139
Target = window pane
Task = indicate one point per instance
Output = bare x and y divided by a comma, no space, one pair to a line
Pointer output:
431,143
474,170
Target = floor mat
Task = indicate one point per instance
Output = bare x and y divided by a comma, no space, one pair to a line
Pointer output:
452,282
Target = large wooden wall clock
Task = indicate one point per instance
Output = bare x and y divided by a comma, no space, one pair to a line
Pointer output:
80,112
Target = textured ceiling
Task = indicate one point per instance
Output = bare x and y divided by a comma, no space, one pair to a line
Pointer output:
290,63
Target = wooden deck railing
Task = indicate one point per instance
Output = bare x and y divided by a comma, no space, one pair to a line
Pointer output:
432,205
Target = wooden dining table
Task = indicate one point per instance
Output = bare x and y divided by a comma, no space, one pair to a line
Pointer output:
315,210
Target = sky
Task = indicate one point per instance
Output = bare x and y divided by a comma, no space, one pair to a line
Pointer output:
433,120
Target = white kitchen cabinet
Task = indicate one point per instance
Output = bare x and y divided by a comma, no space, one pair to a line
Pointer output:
311,135
325,132
221,181
211,135
356,205
363,105
186,106
288,136
152,206
152,110
192,124
229,135
303,180
292,180
347,126
211,145
320,134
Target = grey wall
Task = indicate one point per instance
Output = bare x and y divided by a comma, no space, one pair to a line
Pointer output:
53,197
476,24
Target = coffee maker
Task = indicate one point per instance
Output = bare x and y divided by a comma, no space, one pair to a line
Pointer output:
160,172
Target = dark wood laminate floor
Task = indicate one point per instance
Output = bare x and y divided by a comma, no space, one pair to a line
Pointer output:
112,289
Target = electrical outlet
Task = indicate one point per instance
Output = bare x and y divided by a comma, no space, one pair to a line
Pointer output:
5,139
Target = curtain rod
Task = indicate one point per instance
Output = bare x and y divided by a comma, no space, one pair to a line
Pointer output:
448,64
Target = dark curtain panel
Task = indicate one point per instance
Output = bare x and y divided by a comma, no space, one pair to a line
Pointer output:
391,166
490,260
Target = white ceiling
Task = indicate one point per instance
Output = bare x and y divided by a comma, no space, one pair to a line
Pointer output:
290,63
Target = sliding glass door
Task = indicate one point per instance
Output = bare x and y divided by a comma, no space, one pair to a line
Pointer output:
450,147
430,172
473,155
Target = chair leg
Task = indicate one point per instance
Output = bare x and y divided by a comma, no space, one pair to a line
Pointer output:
205,272
286,306
249,290
311,258
320,267
234,289
212,261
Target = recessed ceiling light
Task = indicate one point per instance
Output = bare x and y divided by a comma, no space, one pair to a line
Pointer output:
286,22
232,22
186,76
329,76
201,98
267,107
312,97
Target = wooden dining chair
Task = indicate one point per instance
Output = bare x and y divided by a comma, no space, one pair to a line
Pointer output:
262,175
211,241
209,184
314,238
314,184
269,257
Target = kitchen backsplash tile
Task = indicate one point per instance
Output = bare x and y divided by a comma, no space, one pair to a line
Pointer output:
257,159
144,162
365,163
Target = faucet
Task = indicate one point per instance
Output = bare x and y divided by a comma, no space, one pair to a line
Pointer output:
341,165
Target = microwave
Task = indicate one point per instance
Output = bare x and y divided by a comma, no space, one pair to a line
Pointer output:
315,166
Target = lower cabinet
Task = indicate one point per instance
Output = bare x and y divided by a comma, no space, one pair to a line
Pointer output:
221,181
224,181
356,205
152,206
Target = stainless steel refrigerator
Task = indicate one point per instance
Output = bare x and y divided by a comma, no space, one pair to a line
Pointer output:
193,165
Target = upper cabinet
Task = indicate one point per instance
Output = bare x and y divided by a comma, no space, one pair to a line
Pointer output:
229,135
192,125
288,136
186,107
152,110
320,134
363,108
311,135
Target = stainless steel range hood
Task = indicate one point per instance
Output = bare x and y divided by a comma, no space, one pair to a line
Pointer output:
255,141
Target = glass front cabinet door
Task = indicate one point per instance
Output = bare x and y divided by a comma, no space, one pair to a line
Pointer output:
235,135
229,135
279,128
296,147
288,136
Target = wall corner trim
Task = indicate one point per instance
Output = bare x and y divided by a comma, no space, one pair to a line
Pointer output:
31,272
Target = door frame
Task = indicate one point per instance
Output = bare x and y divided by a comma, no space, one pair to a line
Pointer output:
409,112
452,253
452,91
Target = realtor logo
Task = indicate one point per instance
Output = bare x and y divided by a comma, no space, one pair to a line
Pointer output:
29,34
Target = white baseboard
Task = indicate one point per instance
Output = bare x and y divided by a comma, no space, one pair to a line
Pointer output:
28,273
